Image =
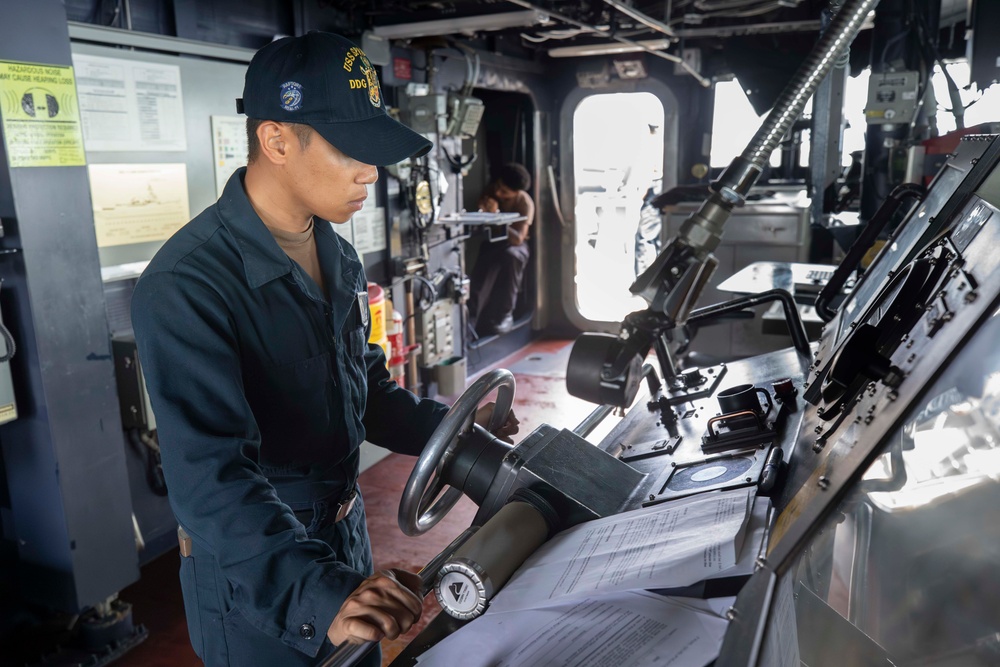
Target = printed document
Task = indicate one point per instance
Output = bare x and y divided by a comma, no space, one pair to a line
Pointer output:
754,544
670,545
625,629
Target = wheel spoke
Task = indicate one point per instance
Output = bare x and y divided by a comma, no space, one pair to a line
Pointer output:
423,503
430,495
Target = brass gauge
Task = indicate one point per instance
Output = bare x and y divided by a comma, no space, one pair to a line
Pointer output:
422,198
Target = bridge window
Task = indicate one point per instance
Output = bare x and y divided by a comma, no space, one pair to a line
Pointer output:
733,124
981,106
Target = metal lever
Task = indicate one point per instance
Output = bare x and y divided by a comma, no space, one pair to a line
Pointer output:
349,654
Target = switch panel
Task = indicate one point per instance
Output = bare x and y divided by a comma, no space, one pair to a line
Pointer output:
437,333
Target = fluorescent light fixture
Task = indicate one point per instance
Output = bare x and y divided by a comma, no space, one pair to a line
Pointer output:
610,48
468,24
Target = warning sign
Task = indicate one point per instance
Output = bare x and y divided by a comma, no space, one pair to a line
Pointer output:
41,119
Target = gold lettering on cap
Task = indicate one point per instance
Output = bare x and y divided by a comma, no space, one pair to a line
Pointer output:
352,54
370,80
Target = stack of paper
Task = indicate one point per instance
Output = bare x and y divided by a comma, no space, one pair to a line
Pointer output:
663,546
611,630
580,600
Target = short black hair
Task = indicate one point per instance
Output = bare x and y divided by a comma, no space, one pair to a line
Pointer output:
301,130
514,176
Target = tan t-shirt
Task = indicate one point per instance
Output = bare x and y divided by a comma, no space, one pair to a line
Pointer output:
301,247
520,203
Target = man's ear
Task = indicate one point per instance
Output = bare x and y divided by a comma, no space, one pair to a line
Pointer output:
274,141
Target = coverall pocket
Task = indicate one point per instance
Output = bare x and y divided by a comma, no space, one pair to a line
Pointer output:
192,612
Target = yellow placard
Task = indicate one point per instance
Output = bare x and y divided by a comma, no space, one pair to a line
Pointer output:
41,118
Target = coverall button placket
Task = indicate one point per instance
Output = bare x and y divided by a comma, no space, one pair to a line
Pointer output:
326,326
310,290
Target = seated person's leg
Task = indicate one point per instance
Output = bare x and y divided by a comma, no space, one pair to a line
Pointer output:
483,280
512,264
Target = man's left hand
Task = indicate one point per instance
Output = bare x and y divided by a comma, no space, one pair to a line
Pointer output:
507,429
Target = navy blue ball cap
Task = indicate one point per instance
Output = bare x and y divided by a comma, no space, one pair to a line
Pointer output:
325,81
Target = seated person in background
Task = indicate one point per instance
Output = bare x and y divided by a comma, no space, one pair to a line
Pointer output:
499,268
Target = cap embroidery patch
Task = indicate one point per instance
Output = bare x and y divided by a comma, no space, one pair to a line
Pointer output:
374,94
291,96
370,79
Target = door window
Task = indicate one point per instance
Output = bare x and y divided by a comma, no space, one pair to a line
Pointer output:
618,165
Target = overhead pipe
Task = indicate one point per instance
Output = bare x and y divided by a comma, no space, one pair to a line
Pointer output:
603,368
702,232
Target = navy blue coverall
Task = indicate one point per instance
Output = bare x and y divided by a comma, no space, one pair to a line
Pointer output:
263,391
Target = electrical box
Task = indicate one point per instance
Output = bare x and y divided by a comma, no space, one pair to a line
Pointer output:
132,396
436,331
466,114
376,48
423,113
892,97
630,67
8,405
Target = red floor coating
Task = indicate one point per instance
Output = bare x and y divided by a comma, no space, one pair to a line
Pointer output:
157,603
156,597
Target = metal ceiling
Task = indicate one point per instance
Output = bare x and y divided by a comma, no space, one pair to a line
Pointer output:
587,21
641,18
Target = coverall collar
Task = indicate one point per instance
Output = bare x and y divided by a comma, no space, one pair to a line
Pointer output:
263,259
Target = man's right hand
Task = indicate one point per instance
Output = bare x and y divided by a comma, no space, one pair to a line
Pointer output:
489,205
385,605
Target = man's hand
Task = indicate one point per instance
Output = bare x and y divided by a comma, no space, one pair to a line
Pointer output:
515,235
385,605
489,205
507,429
